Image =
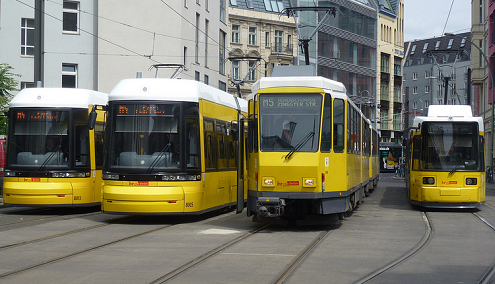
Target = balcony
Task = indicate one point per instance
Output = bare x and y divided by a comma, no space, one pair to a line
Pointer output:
281,52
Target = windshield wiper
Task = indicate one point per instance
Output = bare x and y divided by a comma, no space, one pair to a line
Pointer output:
298,147
457,167
155,161
55,151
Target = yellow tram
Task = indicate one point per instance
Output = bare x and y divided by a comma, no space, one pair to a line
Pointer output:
53,158
310,149
171,148
445,158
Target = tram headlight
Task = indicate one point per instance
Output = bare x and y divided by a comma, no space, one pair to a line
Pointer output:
181,177
428,180
71,175
308,182
268,181
471,181
9,174
110,176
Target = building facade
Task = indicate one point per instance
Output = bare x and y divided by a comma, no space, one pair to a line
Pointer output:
430,66
345,46
68,42
257,30
95,44
390,61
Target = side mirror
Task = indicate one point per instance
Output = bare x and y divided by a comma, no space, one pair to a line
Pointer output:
92,118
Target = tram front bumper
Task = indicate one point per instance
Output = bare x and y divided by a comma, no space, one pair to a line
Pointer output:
270,207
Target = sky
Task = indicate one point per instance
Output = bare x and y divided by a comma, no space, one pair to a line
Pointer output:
426,18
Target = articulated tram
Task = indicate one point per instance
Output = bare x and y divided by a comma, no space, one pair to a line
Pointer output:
310,149
53,157
171,148
445,159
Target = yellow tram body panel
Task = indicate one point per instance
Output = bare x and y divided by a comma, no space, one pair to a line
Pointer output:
447,188
51,191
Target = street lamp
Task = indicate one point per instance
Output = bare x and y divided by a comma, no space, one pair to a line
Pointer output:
493,88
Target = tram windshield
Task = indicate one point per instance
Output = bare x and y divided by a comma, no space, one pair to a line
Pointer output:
39,139
290,122
148,137
450,146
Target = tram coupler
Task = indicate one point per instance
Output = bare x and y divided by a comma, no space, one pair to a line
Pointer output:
270,207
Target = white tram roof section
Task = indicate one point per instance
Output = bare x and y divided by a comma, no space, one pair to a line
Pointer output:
58,98
452,113
337,89
176,90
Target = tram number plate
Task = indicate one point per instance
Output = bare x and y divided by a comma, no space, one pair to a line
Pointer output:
32,179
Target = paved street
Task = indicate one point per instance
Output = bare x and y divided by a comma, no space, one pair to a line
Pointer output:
385,240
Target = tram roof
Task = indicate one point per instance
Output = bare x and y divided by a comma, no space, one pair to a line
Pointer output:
176,90
300,81
449,113
58,97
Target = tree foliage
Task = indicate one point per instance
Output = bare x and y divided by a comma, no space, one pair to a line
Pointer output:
8,84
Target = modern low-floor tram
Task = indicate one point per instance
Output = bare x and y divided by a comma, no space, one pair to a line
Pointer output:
445,159
171,148
53,158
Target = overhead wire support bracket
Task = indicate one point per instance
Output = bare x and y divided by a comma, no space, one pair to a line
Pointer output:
304,42
178,67
239,83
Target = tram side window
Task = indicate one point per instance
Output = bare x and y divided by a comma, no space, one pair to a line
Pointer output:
358,132
349,126
222,145
338,125
192,143
232,147
326,129
416,152
99,144
82,145
210,146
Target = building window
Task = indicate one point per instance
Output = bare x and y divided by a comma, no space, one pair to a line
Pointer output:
415,90
451,41
425,47
185,56
71,16
25,85
249,3
413,49
221,51
207,80
279,41
415,76
427,74
235,33
233,2
463,41
222,86
427,103
267,39
252,35
69,76
440,102
427,89
235,69
197,75
252,71
385,60
207,25
196,41
222,11
437,45
27,37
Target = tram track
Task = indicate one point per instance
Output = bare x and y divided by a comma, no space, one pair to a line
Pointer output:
67,233
83,251
301,257
424,241
48,217
490,272
193,263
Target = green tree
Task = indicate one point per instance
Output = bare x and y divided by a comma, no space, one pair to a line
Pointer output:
8,84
